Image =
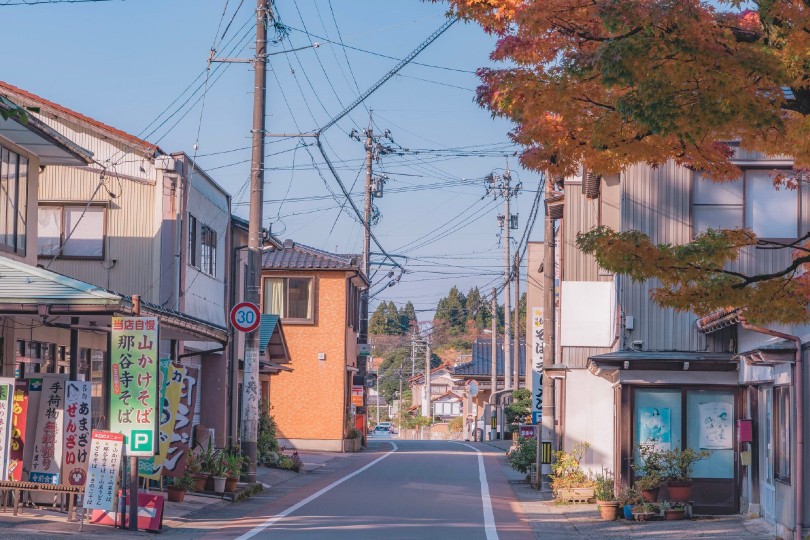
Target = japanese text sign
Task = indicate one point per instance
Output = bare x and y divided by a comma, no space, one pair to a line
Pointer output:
537,362
180,442
102,469
77,433
134,383
6,391
19,424
46,463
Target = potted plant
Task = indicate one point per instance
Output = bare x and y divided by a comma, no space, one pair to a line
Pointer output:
194,468
568,481
606,496
177,491
673,510
218,471
233,468
644,511
679,464
651,468
628,498
207,458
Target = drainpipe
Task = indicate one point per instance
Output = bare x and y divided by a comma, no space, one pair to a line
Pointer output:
798,385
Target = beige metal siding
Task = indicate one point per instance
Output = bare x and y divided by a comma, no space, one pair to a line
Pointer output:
579,214
132,234
657,202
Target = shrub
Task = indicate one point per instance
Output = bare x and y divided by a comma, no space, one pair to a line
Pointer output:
650,467
604,489
523,456
267,444
566,471
456,425
678,464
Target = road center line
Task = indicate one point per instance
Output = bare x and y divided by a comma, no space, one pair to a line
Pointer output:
486,500
259,528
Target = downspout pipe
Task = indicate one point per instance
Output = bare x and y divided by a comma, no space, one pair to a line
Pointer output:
798,385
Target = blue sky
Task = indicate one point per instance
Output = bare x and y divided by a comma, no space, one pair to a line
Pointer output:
126,62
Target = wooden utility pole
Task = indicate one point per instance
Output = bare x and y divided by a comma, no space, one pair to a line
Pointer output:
516,327
363,337
250,384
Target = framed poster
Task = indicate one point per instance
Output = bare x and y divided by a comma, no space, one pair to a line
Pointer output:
655,427
715,426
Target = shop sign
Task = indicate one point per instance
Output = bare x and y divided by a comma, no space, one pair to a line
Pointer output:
6,391
19,417
180,442
537,363
102,469
357,395
46,463
250,394
134,383
31,416
151,467
77,432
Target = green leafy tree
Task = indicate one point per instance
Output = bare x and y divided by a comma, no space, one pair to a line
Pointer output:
520,407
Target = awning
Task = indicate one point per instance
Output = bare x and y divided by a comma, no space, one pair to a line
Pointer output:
662,361
41,140
33,291
271,340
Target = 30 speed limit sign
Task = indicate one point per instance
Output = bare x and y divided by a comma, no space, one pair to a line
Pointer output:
245,317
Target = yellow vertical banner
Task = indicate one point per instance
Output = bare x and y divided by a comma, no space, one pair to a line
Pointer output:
168,412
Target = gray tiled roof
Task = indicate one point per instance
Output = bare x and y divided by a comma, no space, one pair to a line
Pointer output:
481,363
299,256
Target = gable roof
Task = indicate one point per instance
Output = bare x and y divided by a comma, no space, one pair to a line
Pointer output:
445,366
481,363
47,107
296,256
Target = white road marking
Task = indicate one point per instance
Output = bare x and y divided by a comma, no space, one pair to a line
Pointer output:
486,500
259,528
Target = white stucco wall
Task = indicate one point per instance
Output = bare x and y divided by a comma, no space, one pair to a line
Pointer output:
589,418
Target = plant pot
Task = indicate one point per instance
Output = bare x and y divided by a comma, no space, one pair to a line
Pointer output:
230,485
644,516
219,484
679,491
628,512
175,495
609,510
199,481
650,495
209,482
575,495
674,515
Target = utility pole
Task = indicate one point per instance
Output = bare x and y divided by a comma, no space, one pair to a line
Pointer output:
426,405
549,325
369,145
250,385
516,274
494,351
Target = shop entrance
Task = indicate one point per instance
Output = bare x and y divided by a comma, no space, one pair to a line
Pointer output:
767,487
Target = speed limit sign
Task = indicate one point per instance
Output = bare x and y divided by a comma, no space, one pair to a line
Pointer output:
245,316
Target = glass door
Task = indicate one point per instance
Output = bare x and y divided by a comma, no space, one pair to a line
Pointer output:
766,446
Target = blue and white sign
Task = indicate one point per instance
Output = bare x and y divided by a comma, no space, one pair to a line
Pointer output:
245,316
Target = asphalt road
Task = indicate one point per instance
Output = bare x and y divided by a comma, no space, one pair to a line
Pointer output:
395,490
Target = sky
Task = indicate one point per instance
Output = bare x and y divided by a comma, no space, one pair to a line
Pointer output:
142,66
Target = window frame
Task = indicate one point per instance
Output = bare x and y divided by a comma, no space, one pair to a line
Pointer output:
696,177
313,295
19,226
208,251
63,205
193,235
781,433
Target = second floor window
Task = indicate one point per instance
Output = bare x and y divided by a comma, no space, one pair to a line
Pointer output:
13,201
290,298
749,202
71,231
202,246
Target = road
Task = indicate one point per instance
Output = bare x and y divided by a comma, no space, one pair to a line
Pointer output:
393,490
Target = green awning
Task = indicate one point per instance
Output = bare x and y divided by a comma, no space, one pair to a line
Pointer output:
271,339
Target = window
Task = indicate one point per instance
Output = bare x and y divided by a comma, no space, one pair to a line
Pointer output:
781,431
71,231
749,202
208,251
193,250
353,305
13,201
291,298
202,246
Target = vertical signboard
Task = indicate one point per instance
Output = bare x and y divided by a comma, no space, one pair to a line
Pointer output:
6,392
537,364
180,442
250,394
34,398
19,425
46,463
134,383
102,470
151,467
77,433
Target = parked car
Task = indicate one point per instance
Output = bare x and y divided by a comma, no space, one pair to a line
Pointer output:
381,431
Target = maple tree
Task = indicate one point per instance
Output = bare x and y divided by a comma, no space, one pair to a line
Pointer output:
606,84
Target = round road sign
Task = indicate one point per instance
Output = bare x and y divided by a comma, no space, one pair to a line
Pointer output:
245,317
473,386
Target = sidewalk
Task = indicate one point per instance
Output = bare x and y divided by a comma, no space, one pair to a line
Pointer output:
47,523
581,521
